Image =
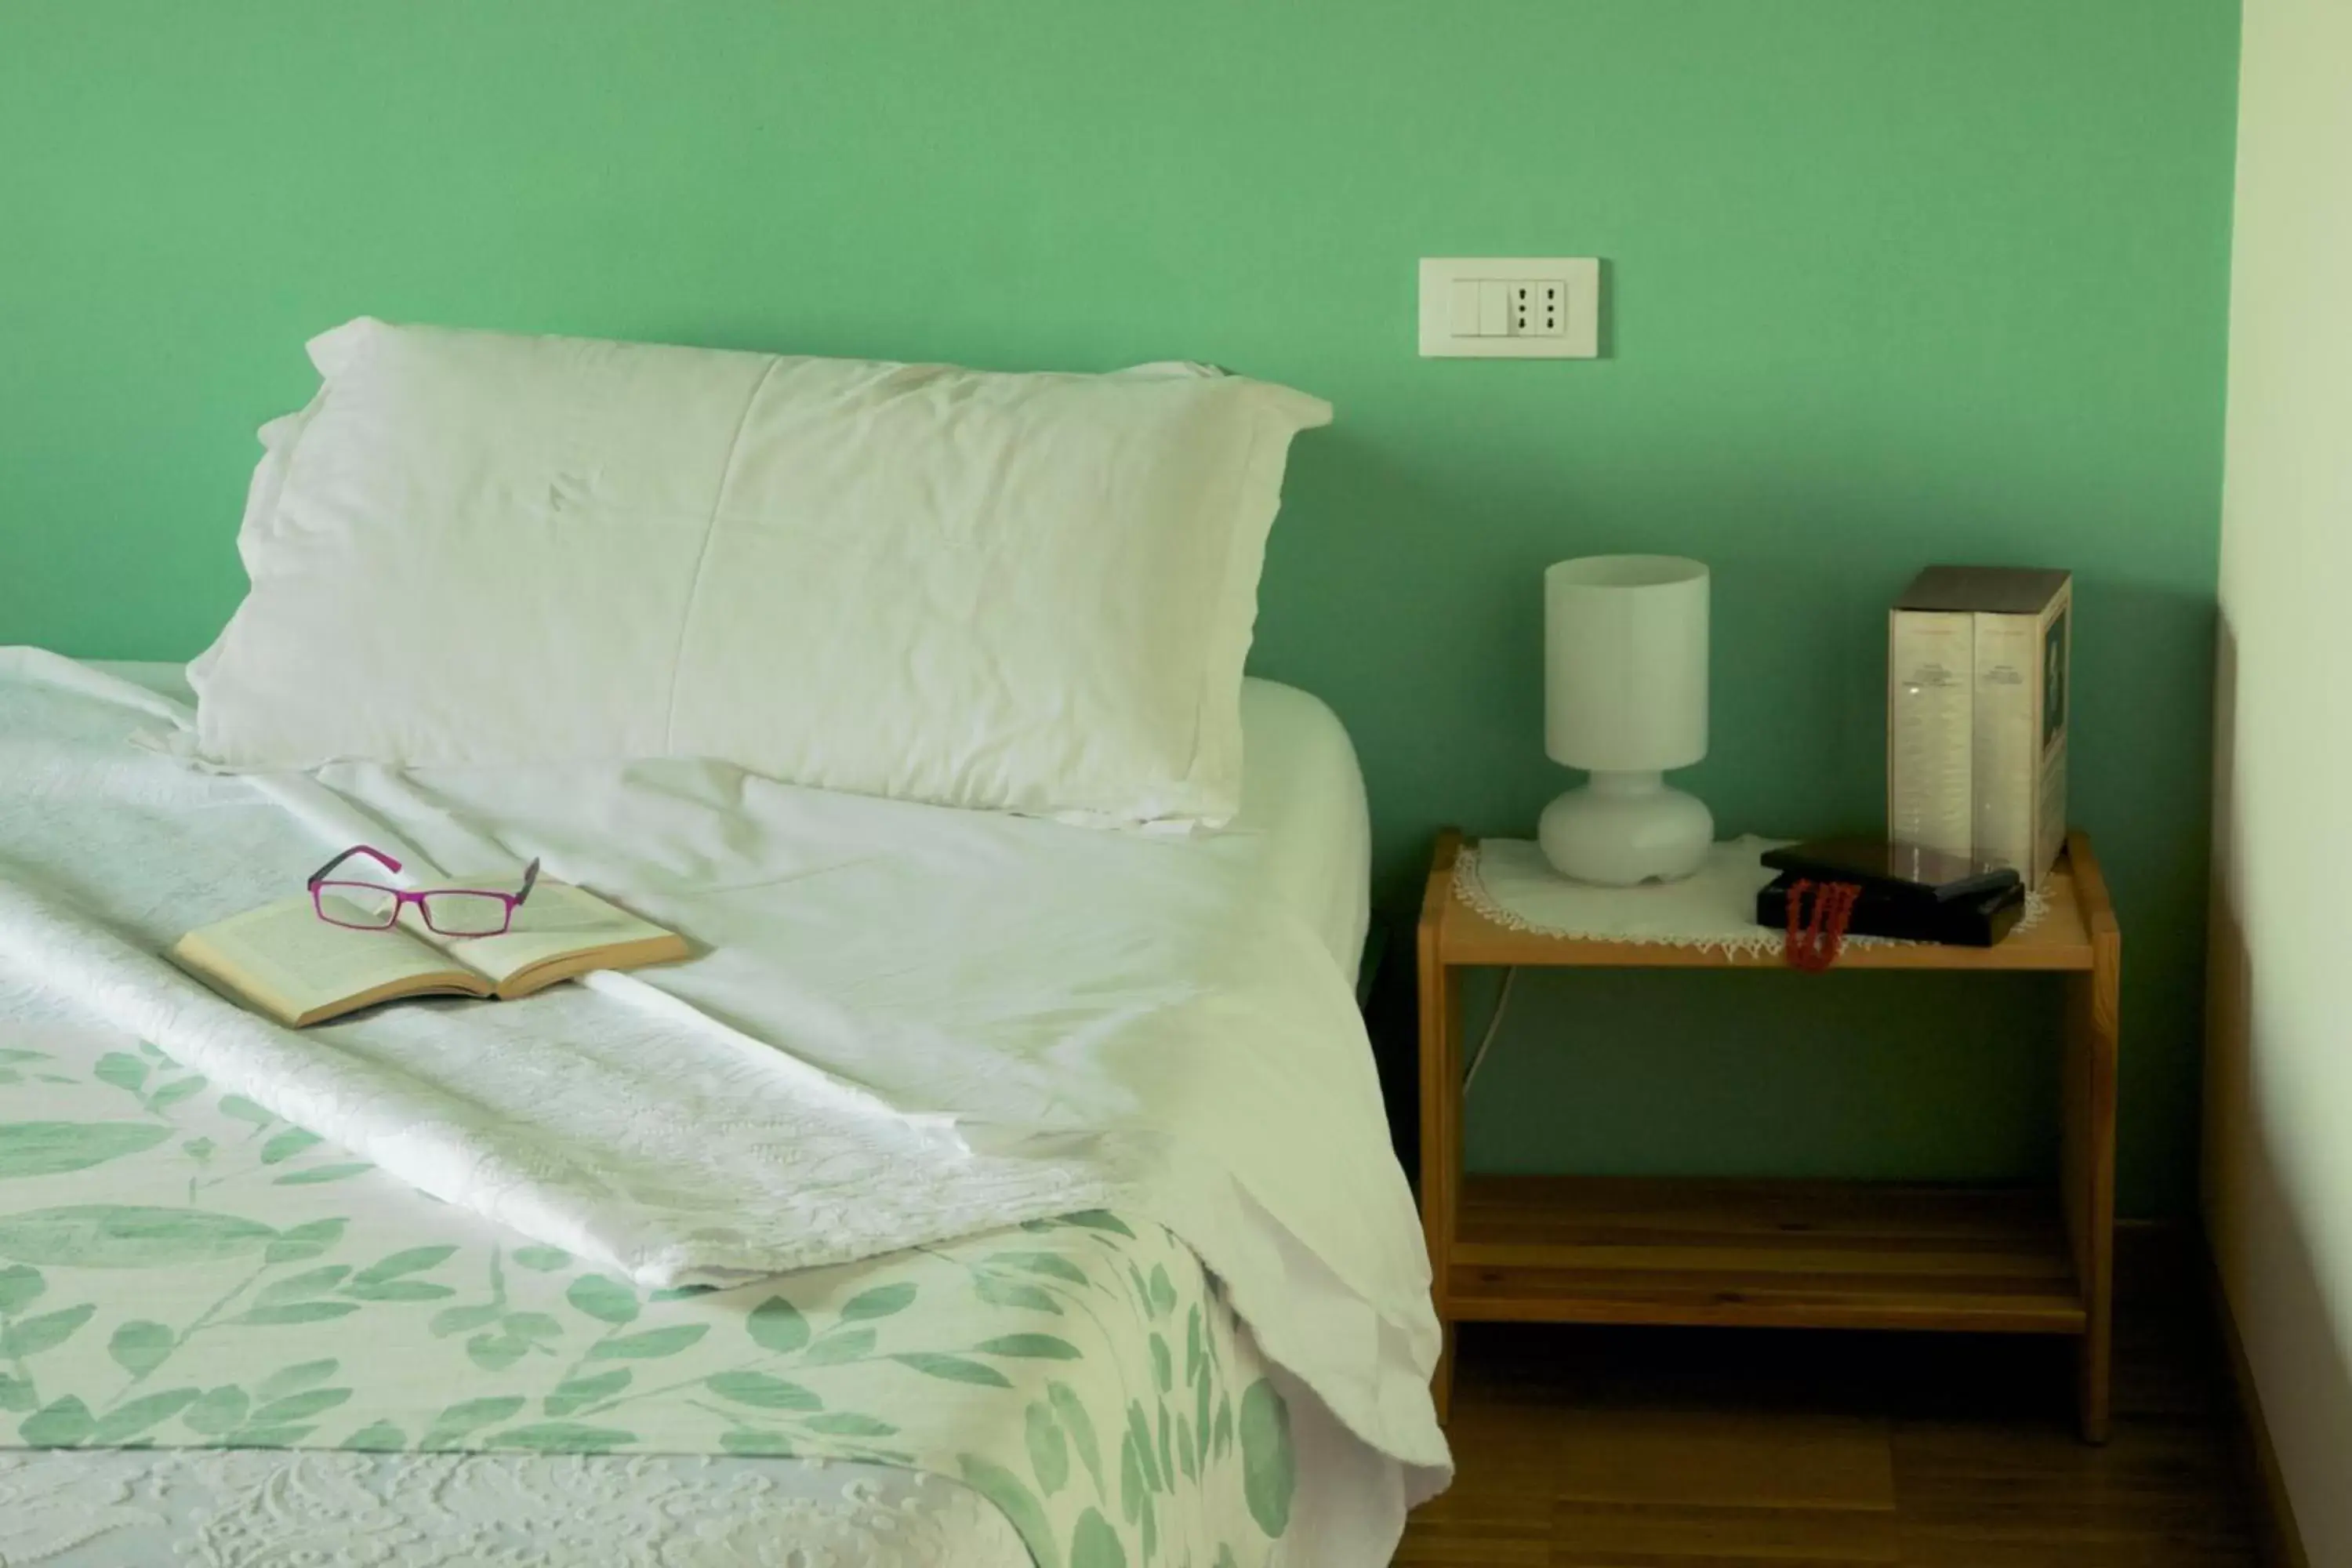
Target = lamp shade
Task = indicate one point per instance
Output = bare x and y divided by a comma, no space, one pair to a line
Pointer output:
1626,662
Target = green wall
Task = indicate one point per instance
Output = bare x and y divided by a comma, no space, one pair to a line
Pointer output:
1892,281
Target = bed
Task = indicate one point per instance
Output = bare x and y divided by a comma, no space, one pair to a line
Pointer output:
429,1338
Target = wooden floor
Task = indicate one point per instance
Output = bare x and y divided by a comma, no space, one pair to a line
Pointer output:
1608,1447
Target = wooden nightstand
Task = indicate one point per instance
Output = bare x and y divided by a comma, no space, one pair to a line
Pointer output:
1775,1254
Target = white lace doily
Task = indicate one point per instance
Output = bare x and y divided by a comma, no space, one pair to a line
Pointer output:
1509,881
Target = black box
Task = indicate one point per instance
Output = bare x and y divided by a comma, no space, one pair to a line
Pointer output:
1920,894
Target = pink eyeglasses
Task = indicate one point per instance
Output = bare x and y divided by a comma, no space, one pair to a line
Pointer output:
450,911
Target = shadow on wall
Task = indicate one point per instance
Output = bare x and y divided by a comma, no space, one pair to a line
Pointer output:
2280,1309
1441,687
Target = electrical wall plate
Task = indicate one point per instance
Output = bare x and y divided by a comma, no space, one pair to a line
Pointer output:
1501,307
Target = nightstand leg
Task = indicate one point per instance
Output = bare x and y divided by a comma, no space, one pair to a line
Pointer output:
2092,1375
1441,1135
2088,1162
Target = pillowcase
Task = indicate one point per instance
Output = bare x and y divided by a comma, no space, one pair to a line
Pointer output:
1027,592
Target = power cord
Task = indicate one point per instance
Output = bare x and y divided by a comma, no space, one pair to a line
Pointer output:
1493,1023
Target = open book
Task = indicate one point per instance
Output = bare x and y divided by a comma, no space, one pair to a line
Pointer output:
283,960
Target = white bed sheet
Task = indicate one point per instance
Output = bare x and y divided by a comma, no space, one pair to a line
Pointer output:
1304,825
1303,832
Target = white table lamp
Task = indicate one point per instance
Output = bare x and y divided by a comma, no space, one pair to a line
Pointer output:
1625,698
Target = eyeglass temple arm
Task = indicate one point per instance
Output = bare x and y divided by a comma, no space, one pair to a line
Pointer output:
373,853
529,879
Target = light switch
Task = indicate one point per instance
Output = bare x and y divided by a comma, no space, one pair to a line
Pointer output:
1511,308
1466,307
1494,308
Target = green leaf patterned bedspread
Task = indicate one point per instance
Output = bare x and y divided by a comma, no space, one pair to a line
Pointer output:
180,1268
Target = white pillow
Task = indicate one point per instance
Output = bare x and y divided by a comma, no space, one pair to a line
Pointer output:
1026,591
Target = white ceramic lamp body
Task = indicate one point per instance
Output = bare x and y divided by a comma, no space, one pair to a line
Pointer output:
1626,652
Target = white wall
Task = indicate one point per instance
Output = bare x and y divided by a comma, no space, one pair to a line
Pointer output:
2278,1155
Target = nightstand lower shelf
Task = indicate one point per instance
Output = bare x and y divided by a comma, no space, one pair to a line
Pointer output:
1762,1254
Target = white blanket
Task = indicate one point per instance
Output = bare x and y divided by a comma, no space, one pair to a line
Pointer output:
908,1023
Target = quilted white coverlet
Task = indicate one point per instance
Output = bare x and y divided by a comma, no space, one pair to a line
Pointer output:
908,1024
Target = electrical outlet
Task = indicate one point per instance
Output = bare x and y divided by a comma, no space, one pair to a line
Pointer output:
1552,308
1511,308
1539,308
1523,309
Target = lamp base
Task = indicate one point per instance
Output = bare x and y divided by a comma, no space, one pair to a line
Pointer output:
1625,829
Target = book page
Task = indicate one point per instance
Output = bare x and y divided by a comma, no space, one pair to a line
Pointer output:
2004,745
558,921
285,957
1931,682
